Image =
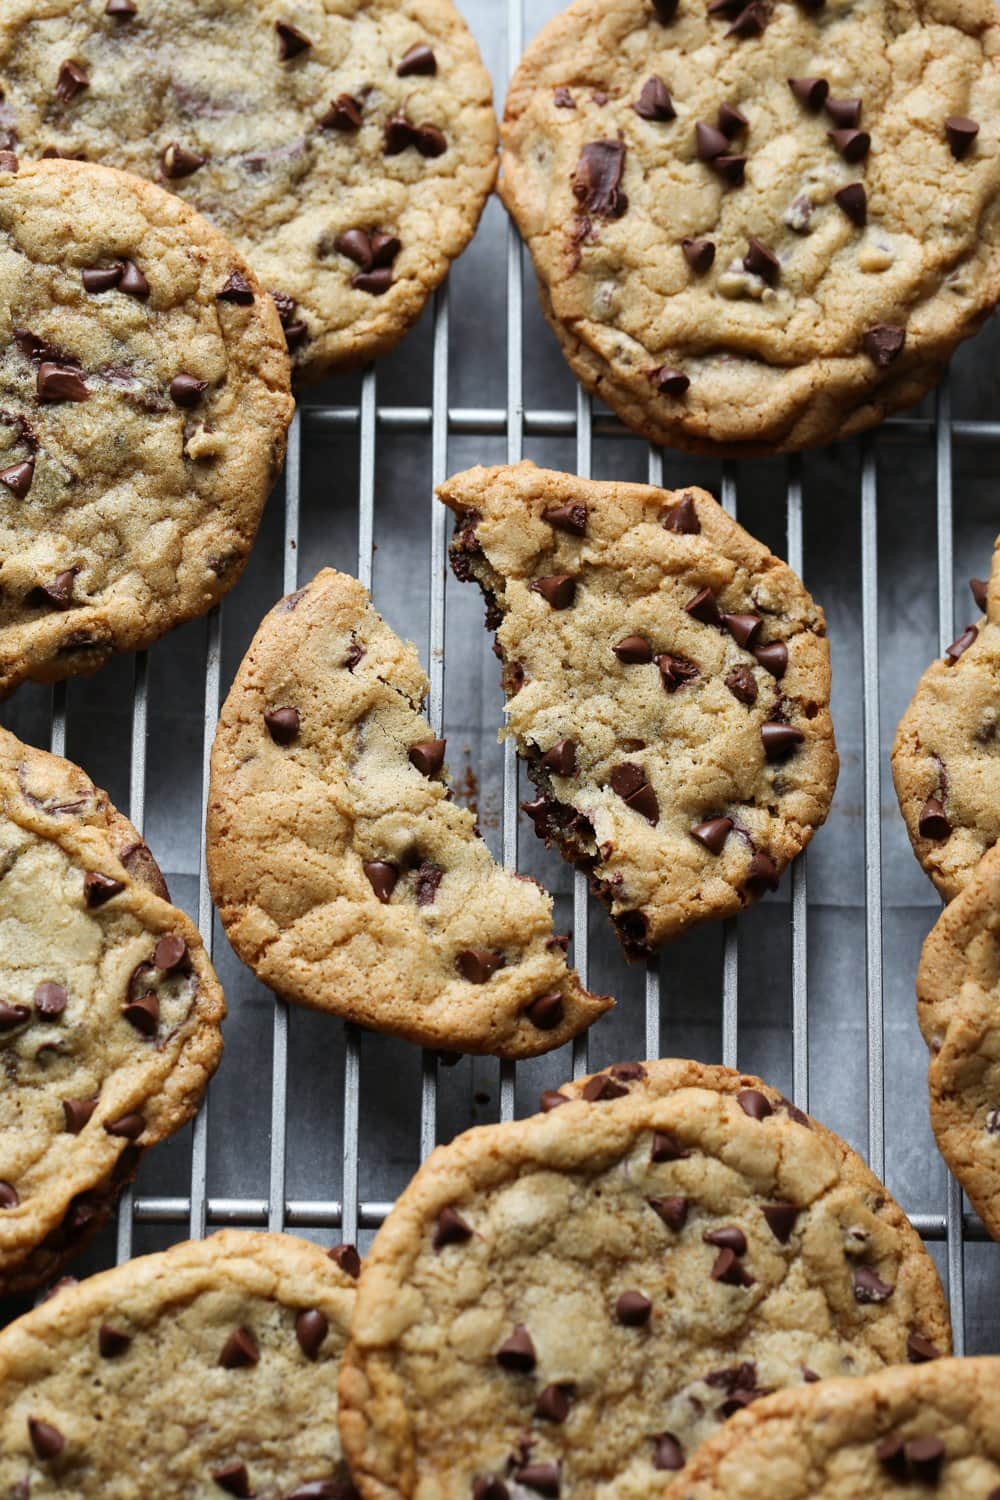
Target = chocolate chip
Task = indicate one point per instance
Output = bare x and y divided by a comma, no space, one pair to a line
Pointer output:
853,145
558,590
77,1112
170,952
111,1342
8,161
762,874
478,965
699,255
101,278
869,1287
853,200
743,628
50,1000
561,759
47,1441
742,684
979,587
554,1403
8,1195
382,878
667,1147
133,283
961,133
920,1349
419,59
667,1452
239,1350
773,658
669,381
344,114
889,1453
347,1258
128,1127
683,518
563,99
732,121
665,10
703,607
356,245
282,724
376,282
601,1088
123,10
187,390
755,1104
629,782
809,1376
311,1328
235,289
401,132
673,1211
709,142
291,41
72,81
633,650
654,102
517,1352
962,643
180,161
451,1229
233,1478
925,1455
57,594
296,334
727,1268
761,261
732,168
712,833
489,1487
57,382
751,21
547,1012
143,1013
781,1219
933,822
542,1478
676,671
633,1310
571,517
18,478
728,1237
597,180
811,92
98,888
12,1016
845,113
779,740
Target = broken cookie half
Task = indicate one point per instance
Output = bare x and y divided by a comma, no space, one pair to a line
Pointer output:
345,876
668,686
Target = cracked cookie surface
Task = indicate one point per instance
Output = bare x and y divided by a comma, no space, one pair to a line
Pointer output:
946,755
958,1005
346,149
110,1015
209,1369
345,876
735,264
936,1426
568,1304
668,684
142,416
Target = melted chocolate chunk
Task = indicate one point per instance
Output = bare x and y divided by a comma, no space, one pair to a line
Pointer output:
597,179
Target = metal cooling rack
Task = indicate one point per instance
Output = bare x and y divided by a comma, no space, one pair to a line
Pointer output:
313,1126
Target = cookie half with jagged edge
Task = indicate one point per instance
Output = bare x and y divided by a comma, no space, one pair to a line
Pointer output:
346,877
668,686
569,1304
110,1013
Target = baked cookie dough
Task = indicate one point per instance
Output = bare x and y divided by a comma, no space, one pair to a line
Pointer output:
931,1429
347,149
759,225
345,875
958,995
144,400
210,1369
946,755
668,685
109,1017
568,1304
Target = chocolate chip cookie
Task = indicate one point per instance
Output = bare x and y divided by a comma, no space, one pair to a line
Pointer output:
759,225
933,1429
346,149
345,875
958,994
210,1369
946,755
568,1304
144,399
668,685
109,1016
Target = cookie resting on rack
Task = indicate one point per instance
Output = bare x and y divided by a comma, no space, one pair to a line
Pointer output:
143,411
347,149
109,1018
958,995
345,876
933,1429
569,1304
210,1369
759,225
946,756
668,685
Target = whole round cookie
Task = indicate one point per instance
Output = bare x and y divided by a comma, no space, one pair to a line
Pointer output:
344,874
209,1369
144,400
567,1305
668,684
932,1429
945,763
958,995
347,150
110,1012
759,225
